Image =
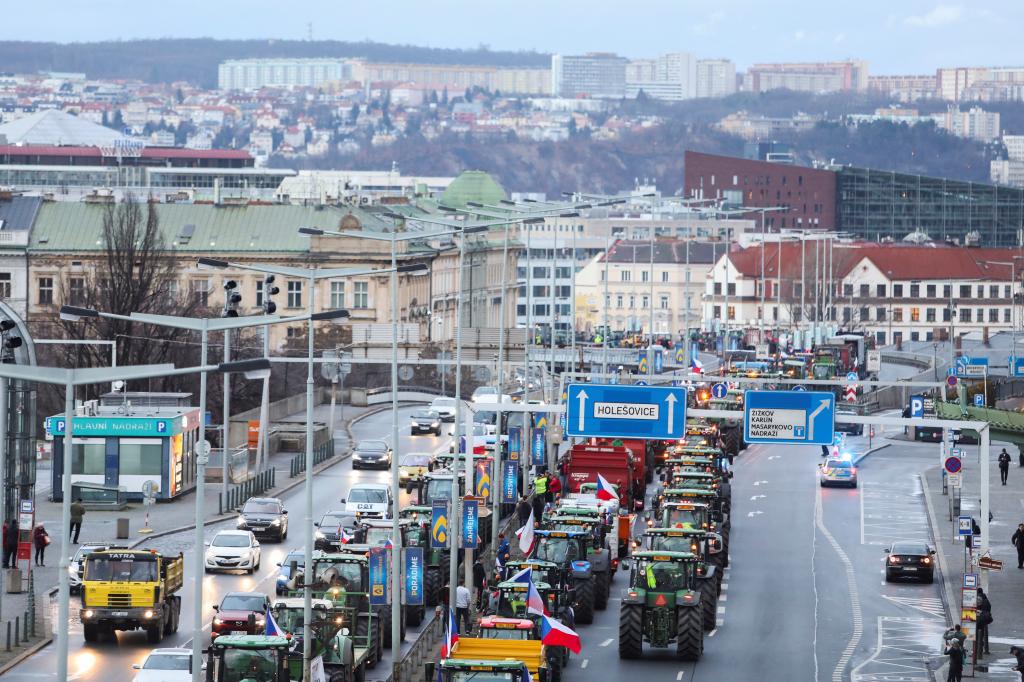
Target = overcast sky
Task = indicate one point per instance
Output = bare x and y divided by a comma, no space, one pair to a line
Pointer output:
894,36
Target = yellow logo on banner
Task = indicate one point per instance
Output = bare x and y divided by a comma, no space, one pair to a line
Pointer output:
643,364
440,529
680,356
483,484
542,422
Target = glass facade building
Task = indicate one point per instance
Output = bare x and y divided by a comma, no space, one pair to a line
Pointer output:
874,204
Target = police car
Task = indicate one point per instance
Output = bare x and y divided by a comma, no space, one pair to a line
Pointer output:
837,471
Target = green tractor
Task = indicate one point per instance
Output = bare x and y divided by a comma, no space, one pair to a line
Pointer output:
598,553
376,533
706,546
690,513
260,658
568,549
439,485
663,604
383,612
731,429
435,560
344,660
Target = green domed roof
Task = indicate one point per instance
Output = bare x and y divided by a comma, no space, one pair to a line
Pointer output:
476,186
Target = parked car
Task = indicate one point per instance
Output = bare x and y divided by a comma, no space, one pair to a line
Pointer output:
372,453
910,559
234,611
165,665
444,407
265,517
425,421
233,550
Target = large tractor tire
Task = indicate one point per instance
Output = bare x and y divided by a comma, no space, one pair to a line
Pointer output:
384,617
585,601
363,621
155,633
432,585
602,590
709,602
414,615
689,633
631,631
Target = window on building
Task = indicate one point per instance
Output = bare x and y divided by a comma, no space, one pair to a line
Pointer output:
632,302
293,332
360,294
915,291
865,290
540,309
618,301
847,314
259,293
89,456
993,314
797,314
993,291
897,314
797,289
140,456
563,272
199,289
294,294
864,313
624,275
1007,315
930,291
880,314
929,315
1006,291
947,290
5,285
965,291
946,314
717,314
981,291
645,276
664,275
663,301
732,312
337,295
45,291
897,290
847,290
563,291
541,291
915,314
732,289
541,272
718,288
915,336
521,309
965,314
880,290
645,301
521,273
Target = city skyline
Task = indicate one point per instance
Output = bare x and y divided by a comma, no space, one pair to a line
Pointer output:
917,36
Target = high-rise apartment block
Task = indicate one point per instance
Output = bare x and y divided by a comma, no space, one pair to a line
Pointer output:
250,74
670,77
596,74
715,78
903,88
847,76
985,83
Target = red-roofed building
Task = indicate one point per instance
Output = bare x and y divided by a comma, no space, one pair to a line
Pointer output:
896,292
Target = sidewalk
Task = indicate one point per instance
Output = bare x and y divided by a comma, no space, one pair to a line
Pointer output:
165,518
1006,587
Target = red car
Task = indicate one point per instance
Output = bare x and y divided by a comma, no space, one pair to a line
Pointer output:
234,611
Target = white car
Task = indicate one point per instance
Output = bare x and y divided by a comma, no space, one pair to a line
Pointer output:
233,550
444,407
370,500
488,393
165,665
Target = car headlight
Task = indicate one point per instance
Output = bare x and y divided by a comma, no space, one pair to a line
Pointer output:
241,521
275,522
218,622
88,613
147,614
435,424
319,535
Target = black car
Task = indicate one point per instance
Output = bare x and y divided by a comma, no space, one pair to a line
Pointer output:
909,559
847,409
265,517
372,453
425,421
285,573
333,528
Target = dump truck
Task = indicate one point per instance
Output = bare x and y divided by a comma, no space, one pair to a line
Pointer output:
131,589
260,658
662,605
617,464
344,660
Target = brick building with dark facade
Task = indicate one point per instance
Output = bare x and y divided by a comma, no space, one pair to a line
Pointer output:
808,193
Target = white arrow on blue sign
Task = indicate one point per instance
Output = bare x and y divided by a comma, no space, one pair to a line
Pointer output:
617,411
719,390
799,387
799,418
852,376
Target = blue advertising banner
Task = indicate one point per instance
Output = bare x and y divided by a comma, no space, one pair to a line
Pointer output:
510,483
515,442
439,524
378,561
413,575
470,523
483,479
538,447
659,359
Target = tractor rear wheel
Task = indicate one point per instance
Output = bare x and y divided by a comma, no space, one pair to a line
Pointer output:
689,633
585,601
709,602
631,631
603,589
432,587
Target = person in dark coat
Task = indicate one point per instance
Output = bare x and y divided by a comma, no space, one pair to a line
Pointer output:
479,583
1004,465
984,620
955,651
10,541
40,538
1018,653
523,510
1017,540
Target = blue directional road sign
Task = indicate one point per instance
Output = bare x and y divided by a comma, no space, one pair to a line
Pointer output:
1016,366
798,418
719,390
852,376
602,410
799,387
971,367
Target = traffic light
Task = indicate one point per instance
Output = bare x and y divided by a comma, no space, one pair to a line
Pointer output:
9,343
269,307
231,299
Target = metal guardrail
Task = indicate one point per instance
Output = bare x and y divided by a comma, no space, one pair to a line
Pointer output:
321,453
237,495
424,649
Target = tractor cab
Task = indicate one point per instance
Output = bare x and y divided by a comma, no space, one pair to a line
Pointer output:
245,658
496,627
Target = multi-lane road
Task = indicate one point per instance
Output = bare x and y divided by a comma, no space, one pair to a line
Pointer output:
112,661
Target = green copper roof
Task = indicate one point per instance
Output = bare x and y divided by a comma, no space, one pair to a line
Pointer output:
475,186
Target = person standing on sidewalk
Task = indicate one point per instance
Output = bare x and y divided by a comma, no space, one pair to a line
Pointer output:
1004,465
955,651
479,582
10,540
40,538
77,512
523,510
1017,540
462,601
984,620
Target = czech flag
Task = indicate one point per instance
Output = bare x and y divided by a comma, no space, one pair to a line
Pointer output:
271,629
605,491
534,602
343,536
451,635
696,366
526,536
554,633
389,544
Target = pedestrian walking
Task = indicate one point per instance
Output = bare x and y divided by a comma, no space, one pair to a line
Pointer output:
955,651
1017,540
462,601
479,583
40,538
77,512
10,538
554,488
523,510
1018,653
1004,465
984,620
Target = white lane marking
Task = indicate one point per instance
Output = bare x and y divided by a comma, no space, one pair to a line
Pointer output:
606,642
714,631
725,586
721,609
585,663
723,597
851,580
861,496
679,675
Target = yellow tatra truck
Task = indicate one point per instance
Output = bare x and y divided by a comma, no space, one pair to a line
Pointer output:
131,589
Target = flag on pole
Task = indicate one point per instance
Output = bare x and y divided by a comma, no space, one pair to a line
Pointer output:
554,633
451,635
534,602
696,366
605,491
271,629
389,544
525,535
